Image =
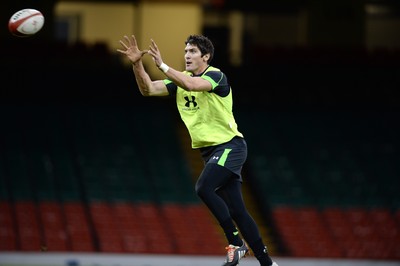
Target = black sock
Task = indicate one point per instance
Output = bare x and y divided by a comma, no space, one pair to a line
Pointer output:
261,253
231,233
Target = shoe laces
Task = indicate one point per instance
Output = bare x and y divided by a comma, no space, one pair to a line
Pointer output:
231,252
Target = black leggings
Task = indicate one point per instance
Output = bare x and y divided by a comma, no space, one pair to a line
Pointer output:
220,190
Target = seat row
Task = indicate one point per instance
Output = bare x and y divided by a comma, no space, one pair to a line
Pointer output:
357,233
109,227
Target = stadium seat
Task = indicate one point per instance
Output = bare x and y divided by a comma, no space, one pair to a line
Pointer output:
53,226
192,227
28,226
78,227
205,224
134,238
304,232
107,232
339,226
8,237
158,238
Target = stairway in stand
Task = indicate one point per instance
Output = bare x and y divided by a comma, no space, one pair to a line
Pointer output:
253,209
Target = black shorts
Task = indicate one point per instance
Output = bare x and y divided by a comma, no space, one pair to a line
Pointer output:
231,155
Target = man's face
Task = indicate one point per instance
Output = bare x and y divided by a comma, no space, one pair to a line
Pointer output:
194,62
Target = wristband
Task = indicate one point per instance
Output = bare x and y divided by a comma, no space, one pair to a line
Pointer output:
164,67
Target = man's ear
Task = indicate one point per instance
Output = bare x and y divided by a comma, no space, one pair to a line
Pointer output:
206,57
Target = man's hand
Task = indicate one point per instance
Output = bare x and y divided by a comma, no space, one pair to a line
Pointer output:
155,53
131,49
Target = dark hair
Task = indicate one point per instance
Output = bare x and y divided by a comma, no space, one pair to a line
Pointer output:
204,44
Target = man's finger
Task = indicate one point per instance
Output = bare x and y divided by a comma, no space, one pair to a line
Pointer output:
134,40
123,44
121,51
128,40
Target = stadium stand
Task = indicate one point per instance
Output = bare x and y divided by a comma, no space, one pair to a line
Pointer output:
86,167
78,180
328,178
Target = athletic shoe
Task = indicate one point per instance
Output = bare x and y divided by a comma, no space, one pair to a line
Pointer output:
235,254
274,263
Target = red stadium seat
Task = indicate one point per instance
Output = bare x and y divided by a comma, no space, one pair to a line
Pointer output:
77,227
157,237
28,226
105,226
304,232
53,226
131,228
8,238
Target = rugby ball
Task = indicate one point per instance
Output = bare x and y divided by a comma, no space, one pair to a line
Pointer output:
26,22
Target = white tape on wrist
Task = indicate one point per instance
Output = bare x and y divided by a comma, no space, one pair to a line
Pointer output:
164,67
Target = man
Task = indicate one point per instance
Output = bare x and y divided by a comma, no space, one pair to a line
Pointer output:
204,100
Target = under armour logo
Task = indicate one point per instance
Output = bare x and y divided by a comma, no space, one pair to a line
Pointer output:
187,104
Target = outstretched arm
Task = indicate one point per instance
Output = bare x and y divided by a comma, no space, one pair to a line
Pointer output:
146,86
